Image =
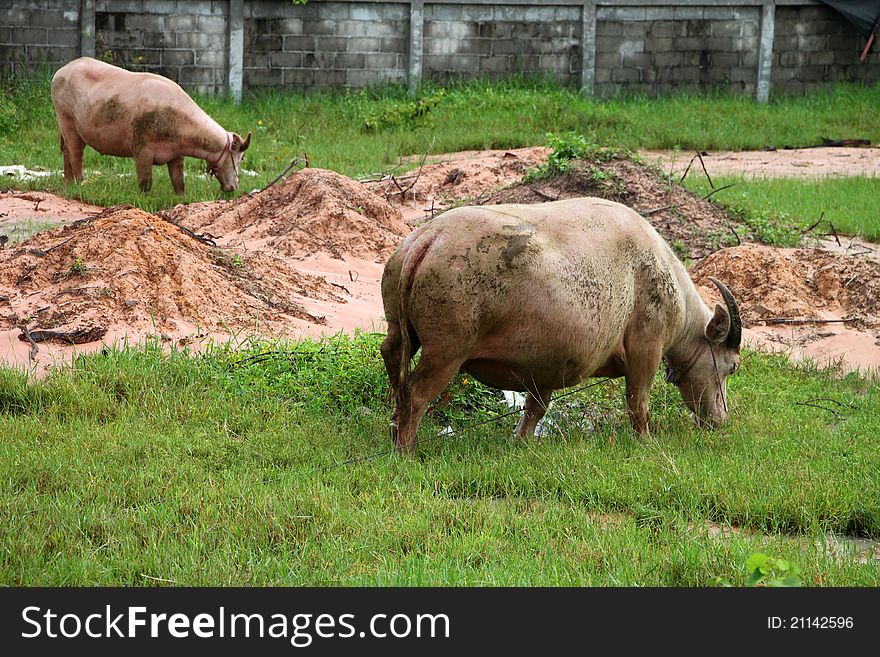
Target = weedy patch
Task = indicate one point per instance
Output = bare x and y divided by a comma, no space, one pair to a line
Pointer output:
566,148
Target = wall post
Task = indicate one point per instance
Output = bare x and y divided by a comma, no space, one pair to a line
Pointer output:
416,44
235,22
765,52
87,28
588,47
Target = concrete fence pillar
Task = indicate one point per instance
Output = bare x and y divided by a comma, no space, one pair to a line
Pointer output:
235,39
416,44
588,47
765,52
87,28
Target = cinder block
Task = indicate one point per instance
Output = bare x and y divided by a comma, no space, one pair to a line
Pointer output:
317,27
724,59
349,60
607,59
199,40
824,58
353,28
177,58
666,29
215,24
180,23
380,61
659,13
727,28
32,35
285,59
322,43
46,18
636,59
393,44
211,58
394,11
62,37
667,59
364,44
262,77
145,22
495,64
689,13
625,75
318,59
14,17
365,12
300,43
158,40
659,44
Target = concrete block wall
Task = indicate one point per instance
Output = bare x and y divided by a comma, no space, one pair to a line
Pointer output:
325,44
605,47
659,50
813,47
38,35
496,41
184,40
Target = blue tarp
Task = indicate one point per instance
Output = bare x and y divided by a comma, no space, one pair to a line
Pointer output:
863,15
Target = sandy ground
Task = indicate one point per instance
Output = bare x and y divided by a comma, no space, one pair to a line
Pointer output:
793,163
306,259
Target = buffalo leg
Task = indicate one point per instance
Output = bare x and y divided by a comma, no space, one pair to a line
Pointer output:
535,408
175,170
427,380
391,347
144,167
72,147
638,388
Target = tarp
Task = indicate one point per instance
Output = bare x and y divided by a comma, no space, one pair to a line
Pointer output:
862,14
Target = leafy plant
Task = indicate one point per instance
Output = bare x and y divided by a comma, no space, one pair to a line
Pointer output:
402,113
764,570
566,147
79,268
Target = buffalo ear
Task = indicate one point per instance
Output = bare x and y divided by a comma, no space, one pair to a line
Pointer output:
238,145
719,326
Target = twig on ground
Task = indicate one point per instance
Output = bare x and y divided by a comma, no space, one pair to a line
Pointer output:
806,320
706,171
26,336
818,221
283,174
77,336
834,232
405,190
543,195
716,190
204,239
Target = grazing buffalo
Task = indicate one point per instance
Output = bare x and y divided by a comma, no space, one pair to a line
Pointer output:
536,298
139,115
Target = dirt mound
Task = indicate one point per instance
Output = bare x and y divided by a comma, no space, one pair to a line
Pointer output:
445,180
312,211
771,283
128,267
693,227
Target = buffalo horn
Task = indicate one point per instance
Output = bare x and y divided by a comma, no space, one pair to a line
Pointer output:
734,335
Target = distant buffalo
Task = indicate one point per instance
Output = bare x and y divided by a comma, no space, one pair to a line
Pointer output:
139,115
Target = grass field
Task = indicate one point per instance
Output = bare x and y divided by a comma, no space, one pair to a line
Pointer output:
137,467
361,132
839,202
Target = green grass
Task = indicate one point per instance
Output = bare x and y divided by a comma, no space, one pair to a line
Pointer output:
219,469
777,203
360,132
